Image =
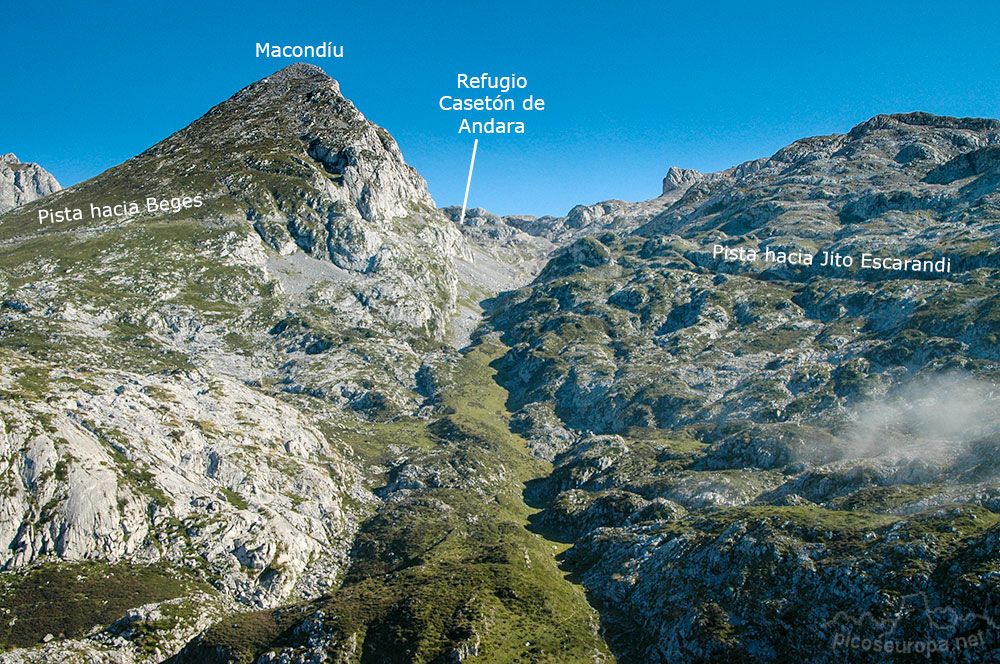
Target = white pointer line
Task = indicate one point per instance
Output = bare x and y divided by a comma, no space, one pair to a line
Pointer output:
465,201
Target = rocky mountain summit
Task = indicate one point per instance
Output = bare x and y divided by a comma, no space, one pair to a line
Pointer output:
22,182
317,419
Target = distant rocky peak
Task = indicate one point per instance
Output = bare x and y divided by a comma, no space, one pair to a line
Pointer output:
680,178
21,183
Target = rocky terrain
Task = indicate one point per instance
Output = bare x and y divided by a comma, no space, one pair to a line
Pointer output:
22,183
315,419
747,456
228,400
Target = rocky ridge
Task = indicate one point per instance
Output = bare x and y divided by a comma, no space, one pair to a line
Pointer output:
620,216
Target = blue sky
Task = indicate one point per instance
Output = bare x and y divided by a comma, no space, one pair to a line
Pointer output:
630,88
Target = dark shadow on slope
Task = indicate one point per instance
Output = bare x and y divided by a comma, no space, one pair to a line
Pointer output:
623,636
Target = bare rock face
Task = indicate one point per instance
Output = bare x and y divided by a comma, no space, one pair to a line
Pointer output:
23,182
680,179
256,504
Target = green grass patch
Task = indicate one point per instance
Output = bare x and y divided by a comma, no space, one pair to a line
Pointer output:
235,499
68,599
444,565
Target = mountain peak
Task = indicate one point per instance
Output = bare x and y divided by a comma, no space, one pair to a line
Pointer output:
21,183
285,149
301,70
287,92
299,74
680,178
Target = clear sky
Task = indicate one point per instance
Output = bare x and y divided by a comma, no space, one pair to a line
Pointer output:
630,88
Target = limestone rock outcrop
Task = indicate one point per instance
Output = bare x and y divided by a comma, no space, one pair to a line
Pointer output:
22,183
